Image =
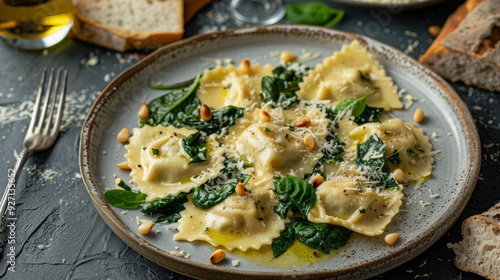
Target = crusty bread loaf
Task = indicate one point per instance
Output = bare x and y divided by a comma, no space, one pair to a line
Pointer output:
468,47
129,24
479,251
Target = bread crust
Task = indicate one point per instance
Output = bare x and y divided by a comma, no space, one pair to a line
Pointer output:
440,54
119,39
492,219
191,7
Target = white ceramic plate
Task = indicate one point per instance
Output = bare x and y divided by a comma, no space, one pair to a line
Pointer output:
419,227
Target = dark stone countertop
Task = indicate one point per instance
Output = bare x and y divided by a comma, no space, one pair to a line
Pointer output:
59,233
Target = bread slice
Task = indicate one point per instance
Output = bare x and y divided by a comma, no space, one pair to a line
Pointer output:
468,47
479,251
129,24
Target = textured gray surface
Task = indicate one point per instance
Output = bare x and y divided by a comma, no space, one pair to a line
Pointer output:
59,234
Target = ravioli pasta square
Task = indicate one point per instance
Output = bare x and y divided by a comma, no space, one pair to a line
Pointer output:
249,157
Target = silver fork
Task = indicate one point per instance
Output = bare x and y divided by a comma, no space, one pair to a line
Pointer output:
42,133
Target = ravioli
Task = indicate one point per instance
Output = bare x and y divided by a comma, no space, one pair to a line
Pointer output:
411,144
272,146
338,78
167,171
342,201
268,143
230,85
239,222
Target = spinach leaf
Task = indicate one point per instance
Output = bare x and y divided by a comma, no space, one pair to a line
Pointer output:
124,186
205,199
278,91
293,75
294,192
352,106
169,218
221,119
125,199
320,236
315,13
195,145
394,158
335,148
371,157
180,108
370,114
340,236
164,205
411,152
174,86
284,242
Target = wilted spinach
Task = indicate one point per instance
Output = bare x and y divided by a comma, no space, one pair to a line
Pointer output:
293,192
394,158
195,145
164,205
204,199
320,236
371,157
284,241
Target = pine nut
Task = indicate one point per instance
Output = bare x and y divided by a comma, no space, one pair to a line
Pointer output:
146,227
317,181
244,68
418,117
205,113
143,113
399,175
177,254
123,135
287,57
217,256
310,142
264,116
240,189
117,181
434,30
391,238
304,122
124,165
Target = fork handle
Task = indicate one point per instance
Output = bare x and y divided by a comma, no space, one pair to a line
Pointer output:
13,176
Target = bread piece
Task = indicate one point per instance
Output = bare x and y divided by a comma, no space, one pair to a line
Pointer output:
468,47
479,251
129,24
191,7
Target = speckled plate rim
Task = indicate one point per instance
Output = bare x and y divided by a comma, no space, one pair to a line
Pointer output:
410,249
394,7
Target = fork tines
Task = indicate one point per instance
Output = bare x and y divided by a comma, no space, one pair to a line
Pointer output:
44,120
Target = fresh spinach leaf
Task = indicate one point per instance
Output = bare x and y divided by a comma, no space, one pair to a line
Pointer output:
164,205
351,106
370,114
125,199
124,186
294,192
174,86
221,119
394,158
169,218
195,145
278,91
284,242
316,13
320,236
371,157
